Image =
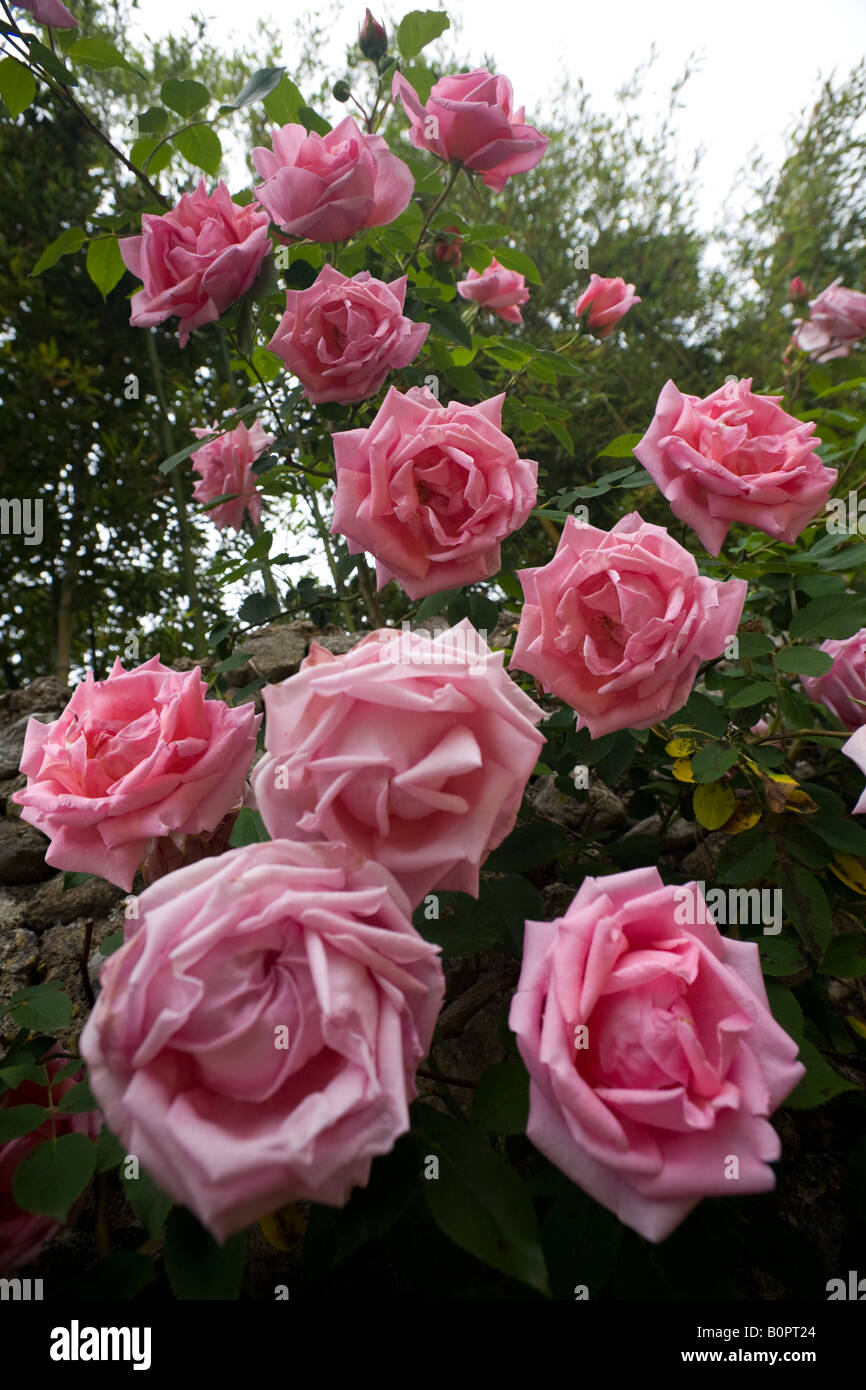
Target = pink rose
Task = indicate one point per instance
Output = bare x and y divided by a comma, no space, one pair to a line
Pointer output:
619,621
23,1233
855,749
653,1056
845,682
837,320
226,466
734,456
341,337
497,289
195,260
431,490
133,758
50,12
327,187
415,752
606,300
468,118
448,245
797,289
255,1039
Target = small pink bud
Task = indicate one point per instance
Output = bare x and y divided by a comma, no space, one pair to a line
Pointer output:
373,40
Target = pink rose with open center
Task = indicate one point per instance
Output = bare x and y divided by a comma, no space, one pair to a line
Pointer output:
653,1056
845,683
50,12
414,751
342,336
195,260
133,758
619,621
496,289
855,749
431,490
23,1233
255,1039
327,187
469,118
836,322
735,457
605,300
226,466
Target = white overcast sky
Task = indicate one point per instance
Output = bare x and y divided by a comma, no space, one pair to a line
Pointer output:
759,61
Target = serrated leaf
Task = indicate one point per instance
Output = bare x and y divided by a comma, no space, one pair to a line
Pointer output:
64,245
713,804
184,95
806,906
840,833
51,1177
78,1100
681,747
741,862
434,604
518,260
418,28
17,86
621,447
850,871
821,1082
845,957
712,761
201,146
830,615
803,661
780,955
257,608
283,105
105,264
49,1012
751,693
752,644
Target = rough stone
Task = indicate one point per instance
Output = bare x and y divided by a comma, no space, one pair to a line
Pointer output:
59,958
18,953
12,740
557,899
49,906
701,862
597,808
275,652
22,853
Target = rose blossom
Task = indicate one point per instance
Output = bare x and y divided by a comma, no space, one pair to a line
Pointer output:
131,759
653,1056
327,187
50,12
619,621
448,245
796,289
195,260
734,456
414,751
431,490
855,749
226,466
845,682
607,300
255,1039
836,322
23,1233
469,118
496,289
341,337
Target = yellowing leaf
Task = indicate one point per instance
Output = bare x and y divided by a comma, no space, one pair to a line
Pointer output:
283,1229
857,1024
682,770
713,804
780,777
850,870
681,747
785,794
801,802
746,813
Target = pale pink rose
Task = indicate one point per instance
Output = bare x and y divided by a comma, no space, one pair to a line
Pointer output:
606,300
496,289
469,119
619,621
23,1233
653,1056
327,187
415,752
855,749
845,683
226,466
255,1039
341,337
431,490
131,759
195,260
836,322
735,457
50,12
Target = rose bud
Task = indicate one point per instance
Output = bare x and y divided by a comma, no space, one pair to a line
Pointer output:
373,39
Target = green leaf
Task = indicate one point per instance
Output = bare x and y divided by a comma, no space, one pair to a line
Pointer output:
511,901
109,1151
71,880
51,1177
621,447
78,1100
122,1275
581,1242
483,613
830,615
257,87
530,845
153,121
151,154
17,86
149,1204
284,104
479,1202
839,832
257,608
803,661
184,96
519,261
49,1010
501,1102
334,1235
820,1084
746,857
845,958
201,146
197,1267
109,944
702,713
751,644
248,829
105,264
785,1010
16,1120
461,930
69,241
99,54
712,761
50,62
433,604
449,323
779,955
418,28
806,905
752,693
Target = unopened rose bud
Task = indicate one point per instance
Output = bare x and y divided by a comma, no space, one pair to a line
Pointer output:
447,245
341,91
797,289
373,40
